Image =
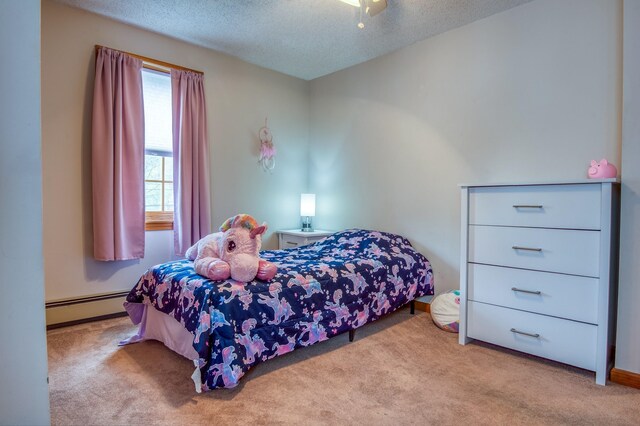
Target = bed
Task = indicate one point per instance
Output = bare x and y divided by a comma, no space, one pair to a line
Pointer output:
335,285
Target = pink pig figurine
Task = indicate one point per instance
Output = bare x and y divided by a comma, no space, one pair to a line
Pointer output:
602,170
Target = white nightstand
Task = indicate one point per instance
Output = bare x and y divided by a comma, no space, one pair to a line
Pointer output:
291,238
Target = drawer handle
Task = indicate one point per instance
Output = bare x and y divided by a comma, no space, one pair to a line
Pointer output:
538,292
526,248
527,206
292,244
524,333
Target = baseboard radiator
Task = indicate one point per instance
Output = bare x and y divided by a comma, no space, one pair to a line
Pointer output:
67,312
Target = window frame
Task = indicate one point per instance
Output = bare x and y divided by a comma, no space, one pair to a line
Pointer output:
158,220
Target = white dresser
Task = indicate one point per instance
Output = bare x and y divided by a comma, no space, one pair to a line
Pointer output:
539,269
296,238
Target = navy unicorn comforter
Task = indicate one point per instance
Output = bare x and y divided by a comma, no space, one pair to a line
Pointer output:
321,290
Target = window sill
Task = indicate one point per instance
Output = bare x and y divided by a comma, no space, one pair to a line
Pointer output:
158,221
158,226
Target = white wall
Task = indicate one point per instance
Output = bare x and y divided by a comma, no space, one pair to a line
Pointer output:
24,396
239,96
628,337
532,93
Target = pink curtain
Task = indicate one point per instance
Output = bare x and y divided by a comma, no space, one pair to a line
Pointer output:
118,157
192,215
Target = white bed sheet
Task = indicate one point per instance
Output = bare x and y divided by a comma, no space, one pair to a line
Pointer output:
156,325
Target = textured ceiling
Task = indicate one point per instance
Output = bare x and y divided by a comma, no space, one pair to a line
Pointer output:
302,38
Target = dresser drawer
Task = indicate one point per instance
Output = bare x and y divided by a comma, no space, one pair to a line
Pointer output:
564,296
291,241
552,250
294,238
545,206
561,340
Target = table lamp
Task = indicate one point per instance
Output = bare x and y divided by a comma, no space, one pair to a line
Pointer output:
307,210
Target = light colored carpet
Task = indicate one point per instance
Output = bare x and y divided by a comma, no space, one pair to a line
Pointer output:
399,370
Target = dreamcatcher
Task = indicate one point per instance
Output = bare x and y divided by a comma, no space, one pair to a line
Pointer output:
267,150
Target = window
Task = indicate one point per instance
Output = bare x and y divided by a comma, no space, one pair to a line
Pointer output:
158,150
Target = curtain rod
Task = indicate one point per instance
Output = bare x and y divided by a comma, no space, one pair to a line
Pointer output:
152,61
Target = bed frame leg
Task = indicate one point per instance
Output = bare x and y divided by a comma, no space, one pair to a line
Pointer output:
412,307
352,334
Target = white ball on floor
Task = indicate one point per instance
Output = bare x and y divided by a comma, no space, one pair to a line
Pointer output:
445,311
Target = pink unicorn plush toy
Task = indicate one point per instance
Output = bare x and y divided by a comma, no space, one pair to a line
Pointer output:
233,252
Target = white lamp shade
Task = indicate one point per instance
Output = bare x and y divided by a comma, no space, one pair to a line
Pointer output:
307,204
